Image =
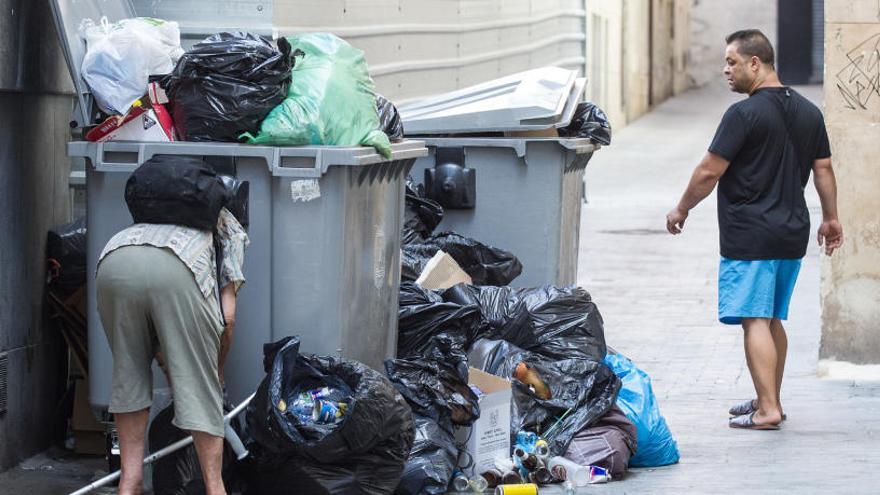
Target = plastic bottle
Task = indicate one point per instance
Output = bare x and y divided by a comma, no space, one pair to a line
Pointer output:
479,484
460,482
568,470
569,488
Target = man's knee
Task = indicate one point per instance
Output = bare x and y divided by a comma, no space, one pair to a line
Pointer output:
755,323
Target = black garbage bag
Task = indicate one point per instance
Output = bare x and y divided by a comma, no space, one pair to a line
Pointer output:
423,315
589,121
486,265
364,453
436,388
582,391
555,322
179,473
226,85
389,118
422,215
66,256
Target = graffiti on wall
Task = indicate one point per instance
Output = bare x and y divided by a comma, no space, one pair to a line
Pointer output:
859,80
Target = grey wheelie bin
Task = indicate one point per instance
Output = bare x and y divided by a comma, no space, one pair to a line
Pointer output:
325,266
522,194
325,221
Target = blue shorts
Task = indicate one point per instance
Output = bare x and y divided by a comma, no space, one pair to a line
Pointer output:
755,289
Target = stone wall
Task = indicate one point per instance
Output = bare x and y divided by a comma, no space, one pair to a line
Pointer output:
851,278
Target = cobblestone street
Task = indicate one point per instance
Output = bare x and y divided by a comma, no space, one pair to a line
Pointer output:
658,296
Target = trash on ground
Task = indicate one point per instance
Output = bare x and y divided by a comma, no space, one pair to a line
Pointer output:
610,442
423,315
422,215
436,388
589,122
486,265
442,272
121,56
363,452
656,446
66,257
226,85
331,99
489,436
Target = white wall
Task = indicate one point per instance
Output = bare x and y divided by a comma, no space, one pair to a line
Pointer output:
712,21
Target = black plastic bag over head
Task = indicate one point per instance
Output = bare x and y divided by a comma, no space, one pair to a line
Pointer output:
227,84
589,121
364,453
179,190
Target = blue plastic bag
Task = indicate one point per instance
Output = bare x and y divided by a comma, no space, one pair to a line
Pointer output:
656,447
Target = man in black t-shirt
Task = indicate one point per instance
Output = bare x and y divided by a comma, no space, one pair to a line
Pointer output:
761,158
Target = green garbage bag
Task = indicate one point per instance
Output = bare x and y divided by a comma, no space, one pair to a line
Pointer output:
331,99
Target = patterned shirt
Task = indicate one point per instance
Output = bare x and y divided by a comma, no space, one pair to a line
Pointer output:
194,247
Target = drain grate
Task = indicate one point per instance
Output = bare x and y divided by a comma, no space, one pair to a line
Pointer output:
4,374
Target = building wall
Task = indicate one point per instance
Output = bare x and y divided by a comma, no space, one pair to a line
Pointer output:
636,54
414,48
851,278
710,22
35,107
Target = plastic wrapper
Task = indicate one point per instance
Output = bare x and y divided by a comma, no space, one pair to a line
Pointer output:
555,322
589,121
486,265
226,85
389,118
331,99
364,453
656,446
120,58
583,391
180,473
436,388
609,443
66,256
423,315
421,216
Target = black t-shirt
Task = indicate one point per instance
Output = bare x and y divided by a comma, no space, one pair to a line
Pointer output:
762,213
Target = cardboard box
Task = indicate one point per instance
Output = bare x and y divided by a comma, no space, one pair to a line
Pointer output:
141,124
489,437
88,433
442,272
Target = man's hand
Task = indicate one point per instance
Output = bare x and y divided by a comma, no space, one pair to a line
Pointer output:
830,235
675,220
227,297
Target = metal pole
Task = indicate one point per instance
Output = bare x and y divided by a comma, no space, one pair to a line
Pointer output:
106,480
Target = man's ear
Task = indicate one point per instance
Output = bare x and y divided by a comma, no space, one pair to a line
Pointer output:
755,63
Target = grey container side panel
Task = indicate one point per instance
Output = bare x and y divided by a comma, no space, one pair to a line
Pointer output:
572,189
347,245
518,204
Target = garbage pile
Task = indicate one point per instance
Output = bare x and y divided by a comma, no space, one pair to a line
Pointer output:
232,86
577,413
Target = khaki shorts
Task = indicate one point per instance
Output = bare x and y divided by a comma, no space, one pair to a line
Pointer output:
149,300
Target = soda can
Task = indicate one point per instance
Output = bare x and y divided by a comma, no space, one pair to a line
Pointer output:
326,412
520,489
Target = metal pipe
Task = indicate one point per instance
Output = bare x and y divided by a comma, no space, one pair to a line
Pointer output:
235,441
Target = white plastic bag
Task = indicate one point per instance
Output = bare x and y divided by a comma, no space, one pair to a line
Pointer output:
121,56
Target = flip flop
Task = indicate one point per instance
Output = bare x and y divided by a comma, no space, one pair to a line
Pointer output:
747,422
746,407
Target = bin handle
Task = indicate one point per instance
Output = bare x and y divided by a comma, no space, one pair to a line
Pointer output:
145,151
317,169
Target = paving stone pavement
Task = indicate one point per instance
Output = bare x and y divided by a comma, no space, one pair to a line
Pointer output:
658,296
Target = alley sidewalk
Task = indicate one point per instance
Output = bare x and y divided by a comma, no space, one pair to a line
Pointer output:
658,296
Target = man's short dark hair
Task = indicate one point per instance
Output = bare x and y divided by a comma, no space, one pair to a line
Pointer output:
753,43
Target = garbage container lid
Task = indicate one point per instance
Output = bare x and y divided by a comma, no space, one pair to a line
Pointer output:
69,15
535,99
